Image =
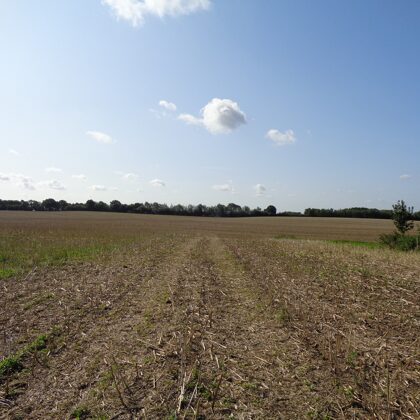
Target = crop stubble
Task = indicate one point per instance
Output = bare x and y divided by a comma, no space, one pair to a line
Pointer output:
195,323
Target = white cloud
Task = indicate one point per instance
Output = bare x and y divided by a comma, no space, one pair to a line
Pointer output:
27,184
98,188
190,119
135,11
130,176
100,137
23,181
4,177
79,176
260,190
14,152
281,139
53,184
228,187
405,176
157,183
218,116
169,106
51,170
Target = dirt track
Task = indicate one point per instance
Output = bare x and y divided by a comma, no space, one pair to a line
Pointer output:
204,327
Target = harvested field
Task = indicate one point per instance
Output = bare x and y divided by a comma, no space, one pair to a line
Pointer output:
110,316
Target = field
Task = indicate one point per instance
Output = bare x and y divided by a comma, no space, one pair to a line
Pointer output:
119,316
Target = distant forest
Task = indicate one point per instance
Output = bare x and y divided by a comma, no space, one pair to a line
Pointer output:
220,210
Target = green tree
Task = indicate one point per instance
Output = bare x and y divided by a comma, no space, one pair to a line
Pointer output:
403,217
115,205
270,211
50,204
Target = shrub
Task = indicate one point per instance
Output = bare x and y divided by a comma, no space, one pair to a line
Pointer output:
399,241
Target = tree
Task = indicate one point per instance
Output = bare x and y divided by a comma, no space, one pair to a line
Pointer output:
115,205
62,205
403,217
50,204
270,211
90,205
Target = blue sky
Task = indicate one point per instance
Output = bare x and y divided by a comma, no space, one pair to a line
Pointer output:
295,103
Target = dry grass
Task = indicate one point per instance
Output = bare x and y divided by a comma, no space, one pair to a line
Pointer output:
177,317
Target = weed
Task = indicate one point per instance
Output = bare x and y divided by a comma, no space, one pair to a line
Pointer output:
283,315
14,363
10,365
80,413
351,358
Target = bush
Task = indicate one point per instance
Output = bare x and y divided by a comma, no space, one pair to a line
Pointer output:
402,242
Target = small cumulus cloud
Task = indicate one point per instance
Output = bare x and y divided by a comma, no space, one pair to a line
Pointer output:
157,183
260,190
228,187
135,11
81,177
100,137
4,177
281,139
218,116
52,184
98,188
53,170
169,106
14,152
405,176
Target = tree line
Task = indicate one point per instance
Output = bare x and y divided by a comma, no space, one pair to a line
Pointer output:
219,210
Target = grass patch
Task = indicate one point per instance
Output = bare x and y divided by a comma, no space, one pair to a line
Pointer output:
14,363
80,413
281,236
20,252
8,272
370,245
361,244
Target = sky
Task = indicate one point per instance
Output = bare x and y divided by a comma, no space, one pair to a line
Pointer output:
294,103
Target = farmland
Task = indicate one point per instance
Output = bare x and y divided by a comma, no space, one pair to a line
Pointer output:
110,316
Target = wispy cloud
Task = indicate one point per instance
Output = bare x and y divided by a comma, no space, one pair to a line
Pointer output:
14,152
98,188
157,183
135,11
405,176
52,184
82,177
218,116
19,180
281,139
260,190
169,106
23,181
130,176
53,170
100,137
